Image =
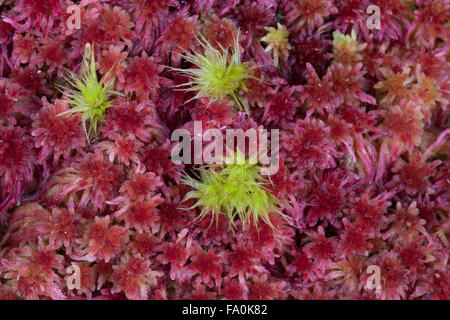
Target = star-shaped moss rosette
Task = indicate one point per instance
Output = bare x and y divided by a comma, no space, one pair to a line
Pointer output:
346,48
219,73
277,40
236,190
87,95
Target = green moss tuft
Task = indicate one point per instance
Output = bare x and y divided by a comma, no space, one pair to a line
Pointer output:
219,74
235,190
87,95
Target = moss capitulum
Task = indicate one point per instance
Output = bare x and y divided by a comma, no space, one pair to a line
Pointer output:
219,74
87,95
235,190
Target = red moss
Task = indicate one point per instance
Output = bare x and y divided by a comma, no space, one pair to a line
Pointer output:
90,32
215,232
284,185
156,159
6,293
125,149
348,83
363,172
433,63
6,32
141,186
252,17
104,271
180,36
354,239
307,13
142,216
302,265
31,222
89,183
352,16
113,60
233,290
134,277
329,192
142,77
144,245
52,53
392,19
36,14
16,164
314,50
308,146
116,23
57,136
281,108
10,94
429,21
264,289
150,17
441,285
369,211
320,249
242,259
23,47
433,285
427,90
346,273
208,266
415,255
176,254
259,87
413,176
200,292
318,95
318,291
172,217
361,120
132,119
31,80
102,241
66,228
214,114
405,223
393,276
219,31
395,85
265,240
404,126
27,223
31,271
340,130
87,279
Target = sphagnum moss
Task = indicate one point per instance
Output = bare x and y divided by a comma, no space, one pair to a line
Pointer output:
220,74
235,190
87,95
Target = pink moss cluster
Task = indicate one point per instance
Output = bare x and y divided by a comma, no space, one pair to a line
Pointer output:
364,152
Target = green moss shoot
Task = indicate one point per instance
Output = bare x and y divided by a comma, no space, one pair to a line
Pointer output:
87,95
220,74
236,191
